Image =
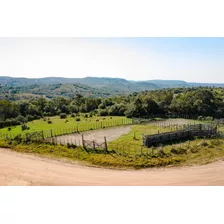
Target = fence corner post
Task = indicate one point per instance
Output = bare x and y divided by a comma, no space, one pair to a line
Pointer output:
105,142
83,143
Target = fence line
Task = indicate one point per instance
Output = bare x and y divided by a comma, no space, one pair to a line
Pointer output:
95,147
75,129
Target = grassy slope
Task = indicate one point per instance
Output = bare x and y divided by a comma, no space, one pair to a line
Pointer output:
199,151
57,123
133,140
78,154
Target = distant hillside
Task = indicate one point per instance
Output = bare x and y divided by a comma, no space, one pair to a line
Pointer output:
206,84
169,83
89,86
17,88
22,92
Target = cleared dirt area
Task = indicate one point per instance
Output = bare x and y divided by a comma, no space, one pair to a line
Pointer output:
112,133
177,121
21,169
97,135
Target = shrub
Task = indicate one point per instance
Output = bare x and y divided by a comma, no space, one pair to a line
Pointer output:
78,119
21,119
44,119
24,127
30,117
49,122
103,112
92,113
178,151
72,115
209,118
73,146
203,144
9,122
200,118
9,129
18,138
161,153
63,115
86,116
194,150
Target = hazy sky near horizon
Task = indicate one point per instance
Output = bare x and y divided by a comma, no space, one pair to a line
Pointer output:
189,59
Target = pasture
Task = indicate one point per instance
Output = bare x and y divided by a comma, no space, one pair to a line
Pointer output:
60,126
124,146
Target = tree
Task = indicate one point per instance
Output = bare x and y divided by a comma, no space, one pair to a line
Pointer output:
150,106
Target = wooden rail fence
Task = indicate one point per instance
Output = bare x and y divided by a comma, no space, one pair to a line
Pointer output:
198,130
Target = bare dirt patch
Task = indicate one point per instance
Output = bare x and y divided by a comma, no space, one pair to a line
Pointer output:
97,135
177,121
112,133
20,169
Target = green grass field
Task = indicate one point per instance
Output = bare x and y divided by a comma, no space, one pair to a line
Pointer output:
129,152
132,143
59,125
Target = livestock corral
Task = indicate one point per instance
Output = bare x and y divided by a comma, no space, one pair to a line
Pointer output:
191,131
171,140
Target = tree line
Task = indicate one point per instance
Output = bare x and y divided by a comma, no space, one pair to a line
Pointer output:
199,101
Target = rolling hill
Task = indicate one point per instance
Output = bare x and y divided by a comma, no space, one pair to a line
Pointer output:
17,88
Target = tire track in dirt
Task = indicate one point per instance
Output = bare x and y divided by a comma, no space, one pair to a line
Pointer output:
22,169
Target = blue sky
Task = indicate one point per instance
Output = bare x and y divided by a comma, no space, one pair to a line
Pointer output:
189,59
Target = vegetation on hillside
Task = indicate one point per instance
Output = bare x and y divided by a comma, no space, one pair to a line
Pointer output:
24,88
203,102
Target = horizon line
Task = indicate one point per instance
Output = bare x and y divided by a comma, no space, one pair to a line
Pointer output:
23,77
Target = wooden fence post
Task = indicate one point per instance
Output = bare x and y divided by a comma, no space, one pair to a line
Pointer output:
83,143
42,132
51,135
105,141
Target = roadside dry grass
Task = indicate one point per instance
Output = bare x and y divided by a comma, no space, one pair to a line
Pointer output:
199,152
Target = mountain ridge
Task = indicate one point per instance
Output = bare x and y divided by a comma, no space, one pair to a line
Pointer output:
88,86
89,78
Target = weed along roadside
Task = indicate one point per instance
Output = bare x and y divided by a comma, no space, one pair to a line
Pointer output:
122,148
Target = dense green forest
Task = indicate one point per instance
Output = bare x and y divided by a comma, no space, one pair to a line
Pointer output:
197,101
51,87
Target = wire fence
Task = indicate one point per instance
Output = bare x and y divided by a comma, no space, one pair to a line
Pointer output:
64,136
54,132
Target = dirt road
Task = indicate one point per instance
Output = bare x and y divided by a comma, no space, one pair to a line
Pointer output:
20,169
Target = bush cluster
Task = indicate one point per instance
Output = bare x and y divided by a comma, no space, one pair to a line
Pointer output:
63,115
